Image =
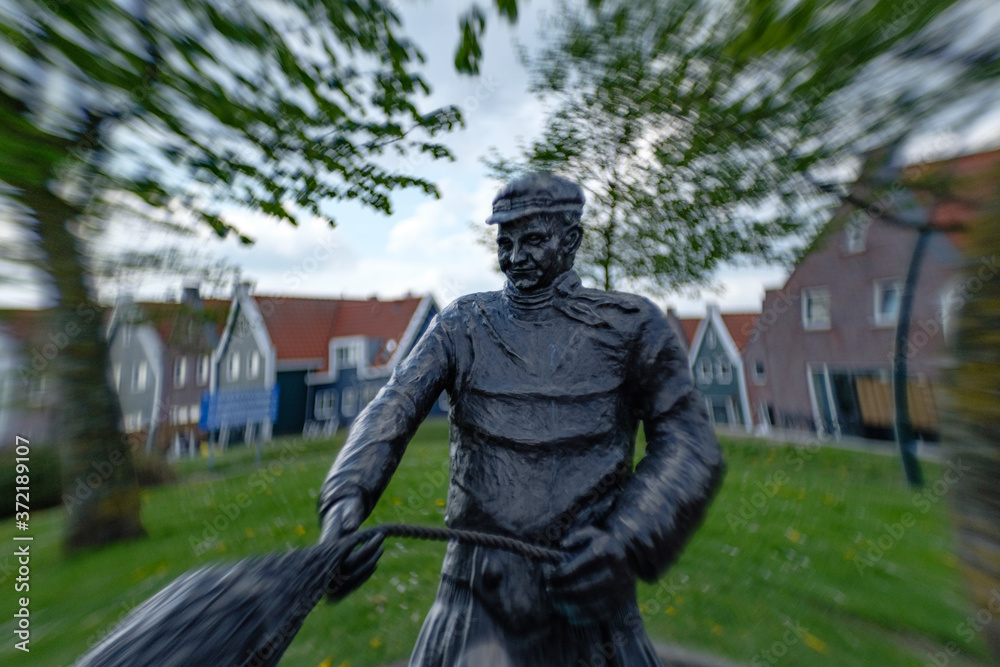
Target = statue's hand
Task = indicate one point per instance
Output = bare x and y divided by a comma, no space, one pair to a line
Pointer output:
339,520
595,579
356,568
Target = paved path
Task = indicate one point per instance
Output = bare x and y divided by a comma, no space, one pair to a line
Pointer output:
779,438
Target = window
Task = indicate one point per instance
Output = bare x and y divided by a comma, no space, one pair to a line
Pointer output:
234,366
133,422
349,402
180,371
816,308
253,364
346,356
704,371
139,373
203,369
759,375
175,414
887,296
195,412
118,376
325,406
710,338
855,232
725,371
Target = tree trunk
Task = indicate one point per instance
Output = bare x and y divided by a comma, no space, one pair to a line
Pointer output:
972,435
900,378
101,494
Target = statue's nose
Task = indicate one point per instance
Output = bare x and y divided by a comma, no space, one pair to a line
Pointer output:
518,255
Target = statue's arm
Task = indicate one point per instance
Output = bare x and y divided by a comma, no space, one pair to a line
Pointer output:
664,500
381,432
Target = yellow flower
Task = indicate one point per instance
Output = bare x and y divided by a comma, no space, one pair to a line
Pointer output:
671,611
299,530
375,642
249,532
439,502
326,663
396,500
793,535
716,629
815,643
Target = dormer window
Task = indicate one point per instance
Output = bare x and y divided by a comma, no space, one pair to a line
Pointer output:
346,356
855,232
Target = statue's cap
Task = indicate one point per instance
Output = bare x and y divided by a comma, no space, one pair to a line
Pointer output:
533,194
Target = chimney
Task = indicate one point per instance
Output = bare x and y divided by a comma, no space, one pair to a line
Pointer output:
190,295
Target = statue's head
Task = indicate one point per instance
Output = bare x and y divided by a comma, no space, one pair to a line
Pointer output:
539,229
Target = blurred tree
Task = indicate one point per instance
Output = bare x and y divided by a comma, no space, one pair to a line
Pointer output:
971,436
176,110
710,132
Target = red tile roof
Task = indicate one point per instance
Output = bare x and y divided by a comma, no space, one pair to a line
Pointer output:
690,327
740,326
301,328
971,180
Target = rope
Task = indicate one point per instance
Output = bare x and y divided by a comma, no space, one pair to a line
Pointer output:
472,538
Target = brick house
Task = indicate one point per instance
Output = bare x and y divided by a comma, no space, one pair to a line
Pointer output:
820,355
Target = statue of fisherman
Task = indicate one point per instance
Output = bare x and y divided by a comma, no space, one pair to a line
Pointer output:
548,382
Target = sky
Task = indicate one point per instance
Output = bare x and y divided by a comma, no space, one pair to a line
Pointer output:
427,245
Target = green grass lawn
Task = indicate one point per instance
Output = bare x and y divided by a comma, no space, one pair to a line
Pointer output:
773,576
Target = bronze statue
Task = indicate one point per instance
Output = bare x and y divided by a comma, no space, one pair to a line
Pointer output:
548,382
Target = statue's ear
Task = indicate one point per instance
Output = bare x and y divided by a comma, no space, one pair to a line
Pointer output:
571,239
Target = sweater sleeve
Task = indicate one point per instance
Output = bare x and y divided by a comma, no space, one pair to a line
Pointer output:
381,432
664,500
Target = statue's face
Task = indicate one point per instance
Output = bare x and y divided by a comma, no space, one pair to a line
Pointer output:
533,252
